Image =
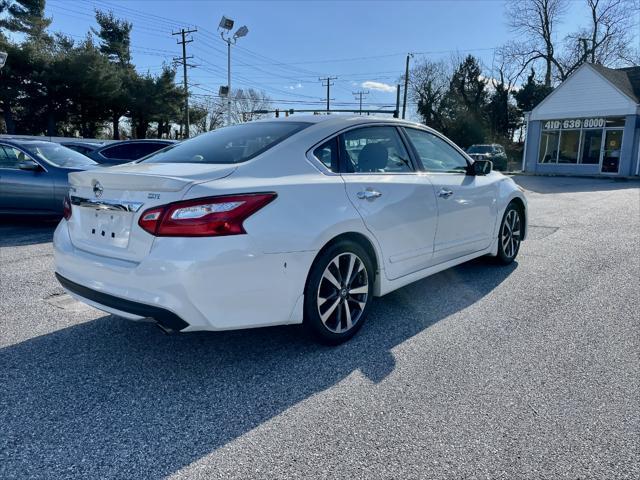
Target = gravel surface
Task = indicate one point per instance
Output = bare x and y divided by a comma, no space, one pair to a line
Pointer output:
525,371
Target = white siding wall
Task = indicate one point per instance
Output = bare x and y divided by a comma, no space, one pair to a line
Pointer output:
584,94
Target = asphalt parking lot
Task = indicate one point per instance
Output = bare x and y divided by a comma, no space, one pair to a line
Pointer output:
525,371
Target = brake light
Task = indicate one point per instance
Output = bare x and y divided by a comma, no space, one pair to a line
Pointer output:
204,217
66,207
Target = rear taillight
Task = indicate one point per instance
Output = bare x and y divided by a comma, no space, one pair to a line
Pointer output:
203,217
66,207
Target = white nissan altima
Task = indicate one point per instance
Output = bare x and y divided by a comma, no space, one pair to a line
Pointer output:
298,220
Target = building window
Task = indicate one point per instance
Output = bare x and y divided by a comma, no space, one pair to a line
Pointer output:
580,141
549,147
591,142
569,146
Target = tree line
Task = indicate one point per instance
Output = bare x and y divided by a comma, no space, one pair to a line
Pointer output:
471,104
55,85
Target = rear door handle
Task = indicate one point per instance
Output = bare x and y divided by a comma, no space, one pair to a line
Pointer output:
445,193
369,194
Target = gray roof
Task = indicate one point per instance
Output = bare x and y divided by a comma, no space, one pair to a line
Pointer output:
627,79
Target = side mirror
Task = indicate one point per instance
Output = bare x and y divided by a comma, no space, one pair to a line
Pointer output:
29,165
481,167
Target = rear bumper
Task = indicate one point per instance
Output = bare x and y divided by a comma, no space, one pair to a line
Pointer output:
167,319
189,284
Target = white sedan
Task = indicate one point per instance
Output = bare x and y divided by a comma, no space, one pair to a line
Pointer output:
298,220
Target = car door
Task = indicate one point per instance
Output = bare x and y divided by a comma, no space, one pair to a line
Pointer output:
396,202
23,190
467,207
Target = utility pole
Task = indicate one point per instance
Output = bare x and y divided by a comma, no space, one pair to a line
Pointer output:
406,84
359,95
328,85
183,33
396,112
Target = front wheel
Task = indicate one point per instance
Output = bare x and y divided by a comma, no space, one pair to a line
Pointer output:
510,234
338,292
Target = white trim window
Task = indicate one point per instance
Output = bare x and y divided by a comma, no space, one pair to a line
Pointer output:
576,141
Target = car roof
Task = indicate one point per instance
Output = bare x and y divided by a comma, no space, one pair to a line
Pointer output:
340,119
142,140
19,142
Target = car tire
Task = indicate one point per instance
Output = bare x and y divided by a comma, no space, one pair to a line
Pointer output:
338,292
510,234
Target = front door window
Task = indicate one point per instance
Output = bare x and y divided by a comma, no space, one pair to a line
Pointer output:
611,154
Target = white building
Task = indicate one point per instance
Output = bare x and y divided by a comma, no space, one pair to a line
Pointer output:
589,125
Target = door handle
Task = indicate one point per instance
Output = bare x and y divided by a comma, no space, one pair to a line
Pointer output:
369,195
445,193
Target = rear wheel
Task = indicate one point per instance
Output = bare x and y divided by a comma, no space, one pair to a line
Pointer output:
510,234
338,292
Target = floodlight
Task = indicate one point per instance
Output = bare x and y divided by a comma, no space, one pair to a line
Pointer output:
3,58
241,32
226,23
223,91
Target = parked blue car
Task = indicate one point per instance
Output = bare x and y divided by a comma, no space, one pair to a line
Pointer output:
33,176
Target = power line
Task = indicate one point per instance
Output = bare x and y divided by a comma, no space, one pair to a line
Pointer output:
183,34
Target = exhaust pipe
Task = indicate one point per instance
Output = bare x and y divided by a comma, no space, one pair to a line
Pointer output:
165,330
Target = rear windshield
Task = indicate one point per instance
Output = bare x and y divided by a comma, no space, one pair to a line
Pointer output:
480,149
234,144
57,155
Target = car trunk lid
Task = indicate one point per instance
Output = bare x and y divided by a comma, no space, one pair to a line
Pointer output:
107,203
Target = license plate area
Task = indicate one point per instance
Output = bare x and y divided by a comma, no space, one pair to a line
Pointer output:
108,228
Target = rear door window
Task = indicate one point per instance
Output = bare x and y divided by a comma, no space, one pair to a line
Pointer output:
327,153
124,151
374,150
147,148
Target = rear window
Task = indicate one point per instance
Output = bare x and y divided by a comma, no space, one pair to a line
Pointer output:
235,144
480,149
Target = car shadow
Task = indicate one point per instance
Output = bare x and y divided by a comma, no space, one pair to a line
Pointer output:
109,397
19,232
550,184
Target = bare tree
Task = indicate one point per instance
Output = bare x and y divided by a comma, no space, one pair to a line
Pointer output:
245,103
534,21
609,38
429,82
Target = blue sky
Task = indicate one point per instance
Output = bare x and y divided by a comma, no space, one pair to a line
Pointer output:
291,43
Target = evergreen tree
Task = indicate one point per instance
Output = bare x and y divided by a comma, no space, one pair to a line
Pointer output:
531,93
115,43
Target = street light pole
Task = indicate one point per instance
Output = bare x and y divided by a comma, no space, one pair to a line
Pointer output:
228,40
226,24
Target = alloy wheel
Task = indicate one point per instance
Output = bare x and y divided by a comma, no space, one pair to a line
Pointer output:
343,292
510,235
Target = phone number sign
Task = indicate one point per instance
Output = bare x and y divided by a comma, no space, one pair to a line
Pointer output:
575,123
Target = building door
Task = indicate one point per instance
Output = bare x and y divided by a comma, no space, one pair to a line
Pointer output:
611,151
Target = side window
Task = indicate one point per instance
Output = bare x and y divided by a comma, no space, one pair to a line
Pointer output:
147,148
327,153
10,157
436,154
120,151
374,150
